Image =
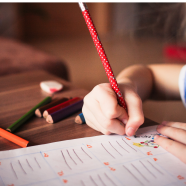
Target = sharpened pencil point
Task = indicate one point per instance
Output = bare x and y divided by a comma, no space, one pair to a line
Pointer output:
78,120
49,119
45,114
38,113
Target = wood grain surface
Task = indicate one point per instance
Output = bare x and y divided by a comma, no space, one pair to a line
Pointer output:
21,92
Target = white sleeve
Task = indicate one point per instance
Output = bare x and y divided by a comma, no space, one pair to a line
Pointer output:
182,84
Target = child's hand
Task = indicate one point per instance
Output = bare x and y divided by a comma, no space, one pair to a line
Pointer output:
177,132
103,113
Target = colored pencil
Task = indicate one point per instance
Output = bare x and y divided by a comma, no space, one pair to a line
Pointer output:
80,119
65,112
102,54
60,106
13,138
39,111
27,116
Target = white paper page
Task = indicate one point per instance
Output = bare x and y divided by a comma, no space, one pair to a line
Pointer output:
94,161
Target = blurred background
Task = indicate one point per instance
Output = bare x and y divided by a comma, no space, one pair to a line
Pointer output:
131,33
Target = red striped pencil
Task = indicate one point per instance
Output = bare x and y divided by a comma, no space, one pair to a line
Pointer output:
39,112
65,112
102,54
60,106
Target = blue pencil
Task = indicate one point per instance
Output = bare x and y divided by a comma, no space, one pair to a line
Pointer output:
80,119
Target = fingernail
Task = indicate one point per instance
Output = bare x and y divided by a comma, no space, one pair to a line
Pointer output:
156,137
131,131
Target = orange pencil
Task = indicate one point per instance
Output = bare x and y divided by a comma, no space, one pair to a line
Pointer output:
13,138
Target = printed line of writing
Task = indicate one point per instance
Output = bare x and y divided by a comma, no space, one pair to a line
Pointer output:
110,179
101,180
71,158
65,160
82,183
122,147
29,165
115,149
13,170
107,151
37,162
129,145
93,181
140,173
77,156
155,167
147,169
85,153
22,167
133,175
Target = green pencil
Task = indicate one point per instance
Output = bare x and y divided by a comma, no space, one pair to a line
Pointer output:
28,115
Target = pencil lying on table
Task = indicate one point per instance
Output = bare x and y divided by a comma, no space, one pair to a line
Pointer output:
27,116
13,138
65,112
60,106
39,112
80,119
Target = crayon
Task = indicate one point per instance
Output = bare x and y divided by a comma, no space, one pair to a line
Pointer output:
65,112
39,111
13,138
80,119
27,116
60,106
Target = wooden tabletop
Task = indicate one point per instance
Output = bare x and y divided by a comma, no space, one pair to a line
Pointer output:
21,92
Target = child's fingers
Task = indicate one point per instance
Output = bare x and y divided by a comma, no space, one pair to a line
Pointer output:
89,118
174,133
91,123
135,113
174,147
175,124
99,122
107,99
122,114
102,104
111,125
134,118
115,126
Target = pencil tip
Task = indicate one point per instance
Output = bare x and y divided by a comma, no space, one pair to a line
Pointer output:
45,114
38,113
49,119
78,120
8,130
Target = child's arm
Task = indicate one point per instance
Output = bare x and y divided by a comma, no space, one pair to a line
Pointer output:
159,81
138,82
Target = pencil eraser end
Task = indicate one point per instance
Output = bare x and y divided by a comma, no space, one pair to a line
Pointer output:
51,86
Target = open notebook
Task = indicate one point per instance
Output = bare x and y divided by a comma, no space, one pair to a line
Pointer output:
93,161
